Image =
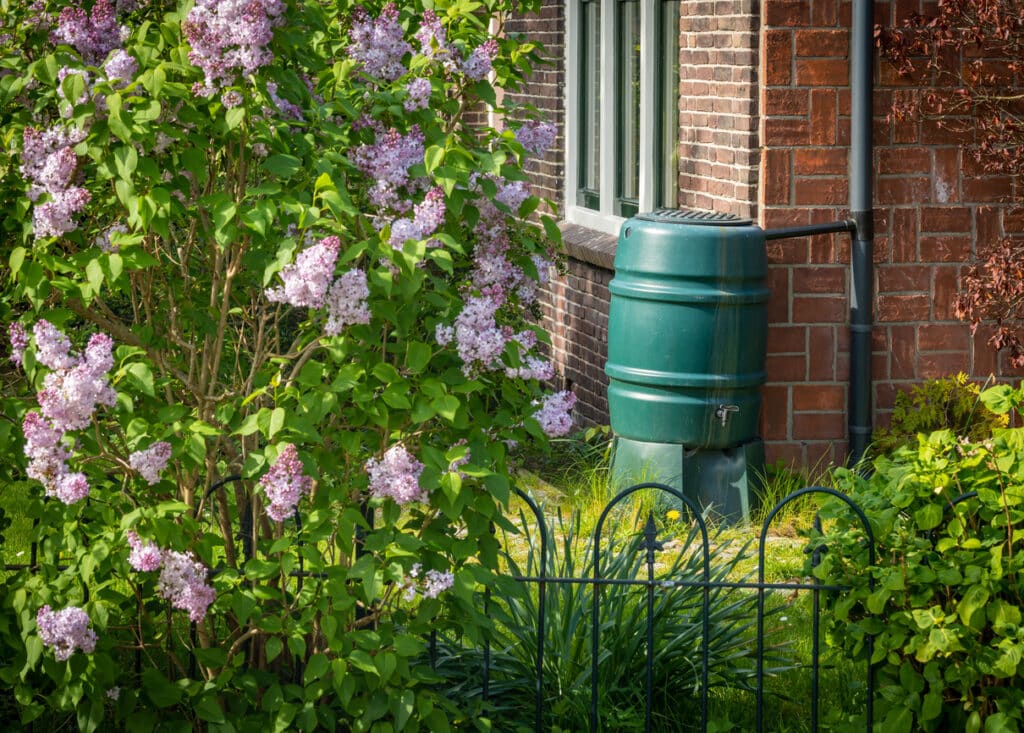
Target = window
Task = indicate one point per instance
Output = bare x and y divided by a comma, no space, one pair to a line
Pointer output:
622,96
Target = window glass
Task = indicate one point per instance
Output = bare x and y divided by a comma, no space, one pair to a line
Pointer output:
667,156
628,104
590,105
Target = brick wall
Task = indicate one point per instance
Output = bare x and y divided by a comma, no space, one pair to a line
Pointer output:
718,145
933,207
931,210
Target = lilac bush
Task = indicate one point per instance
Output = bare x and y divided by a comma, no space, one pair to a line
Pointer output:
271,311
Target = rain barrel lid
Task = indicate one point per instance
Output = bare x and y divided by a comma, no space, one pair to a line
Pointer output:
694,216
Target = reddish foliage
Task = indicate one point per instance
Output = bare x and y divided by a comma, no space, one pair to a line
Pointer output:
993,290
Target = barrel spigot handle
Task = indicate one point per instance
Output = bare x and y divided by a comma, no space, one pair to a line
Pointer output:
723,412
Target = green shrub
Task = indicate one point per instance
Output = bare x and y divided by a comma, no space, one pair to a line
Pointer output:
946,604
950,403
567,649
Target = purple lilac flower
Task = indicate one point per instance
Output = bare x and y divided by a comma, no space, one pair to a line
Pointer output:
512,194
70,396
479,340
183,582
114,693
66,630
145,556
346,302
379,44
151,462
71,488
121,66
391,156
231,99
427,217
536,137
418,91
93,35
554,414
230,38
284,484
286,108
396,475
56,217
533,367
436,582
19,341
443,334
306,280
53,348
431,35
49,164
479,63
103,239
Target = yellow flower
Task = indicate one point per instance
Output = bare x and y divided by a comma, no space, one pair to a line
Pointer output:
673,515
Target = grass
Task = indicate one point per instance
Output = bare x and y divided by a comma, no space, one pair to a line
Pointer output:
574,478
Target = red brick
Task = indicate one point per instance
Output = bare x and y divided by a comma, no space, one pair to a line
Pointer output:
880,367
791,454
903,308
822,72
946,176
943,336
787,13
986,225
787,339
782,131
984,361
946,248
987,189
896,191
819,280
786,102
775,412
904,159
904,236
932,365
820,161
777,176
904,278
945,286
819,42
787,251
778,298
819,425
1013,220
821,353
786,368
946,219
942,131
778,60
819,397
819,309
824,12
903,352
775,217
820,191
823,117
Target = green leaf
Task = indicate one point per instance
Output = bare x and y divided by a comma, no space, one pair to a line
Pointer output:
1000,399
433,157
16,259
234,116
141,376
274,648
282,166
162,693
277,416
928,516
974,599
316,668
417,356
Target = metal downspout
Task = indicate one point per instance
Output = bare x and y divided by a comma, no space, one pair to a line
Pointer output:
861,178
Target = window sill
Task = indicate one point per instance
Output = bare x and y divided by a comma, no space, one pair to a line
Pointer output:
589,245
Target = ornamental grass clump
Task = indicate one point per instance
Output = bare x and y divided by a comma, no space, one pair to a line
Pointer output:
269,300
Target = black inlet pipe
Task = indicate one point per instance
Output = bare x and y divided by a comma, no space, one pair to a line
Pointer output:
861,115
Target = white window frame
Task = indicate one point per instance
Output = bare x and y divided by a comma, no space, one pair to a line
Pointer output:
604,219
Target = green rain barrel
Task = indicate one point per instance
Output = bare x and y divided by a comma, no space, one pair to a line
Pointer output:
687,329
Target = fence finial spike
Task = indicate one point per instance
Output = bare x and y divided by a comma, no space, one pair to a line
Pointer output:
650,541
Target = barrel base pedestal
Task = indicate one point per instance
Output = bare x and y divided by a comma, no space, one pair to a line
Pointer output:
724,483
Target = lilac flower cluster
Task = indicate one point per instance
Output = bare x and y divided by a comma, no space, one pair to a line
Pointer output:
183,582
432,37
396,475
554,414
286,108
480,60
427,217
307,280
93,35
389,158
284,484
536,137
49,164
151,462
145,557
346,302
65,631
120,67
418,94
379,44
433,584
182,578
19,342
230,37
70,394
